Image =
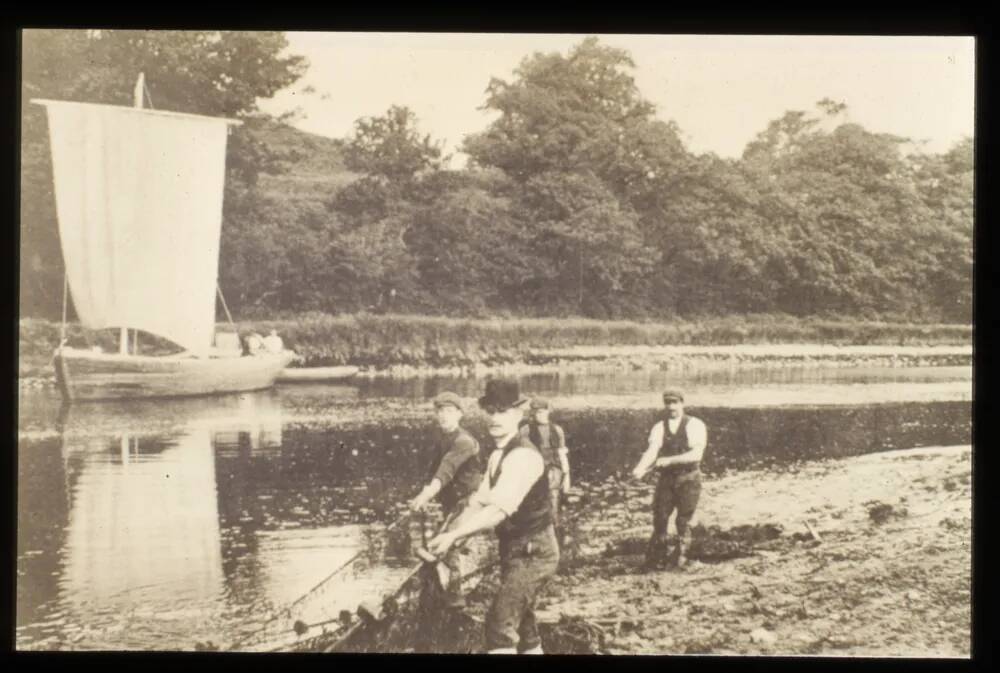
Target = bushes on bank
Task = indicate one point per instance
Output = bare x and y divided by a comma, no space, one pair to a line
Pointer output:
382,340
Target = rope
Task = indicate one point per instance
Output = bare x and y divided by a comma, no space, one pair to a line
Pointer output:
346,563
472,573
226,308
287,611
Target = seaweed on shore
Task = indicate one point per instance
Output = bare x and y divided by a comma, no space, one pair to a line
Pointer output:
709,544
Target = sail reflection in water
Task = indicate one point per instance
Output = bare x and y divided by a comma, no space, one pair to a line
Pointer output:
144,526
143,556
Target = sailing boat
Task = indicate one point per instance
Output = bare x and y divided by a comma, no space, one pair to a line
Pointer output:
139,204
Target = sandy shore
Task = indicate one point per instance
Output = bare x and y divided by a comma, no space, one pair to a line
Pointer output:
887,574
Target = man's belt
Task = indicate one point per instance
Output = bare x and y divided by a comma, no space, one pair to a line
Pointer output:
681,470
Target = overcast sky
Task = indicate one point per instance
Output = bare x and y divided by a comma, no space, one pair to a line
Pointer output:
721,90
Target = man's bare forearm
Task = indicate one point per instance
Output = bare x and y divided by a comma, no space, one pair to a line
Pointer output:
689,456
477,520
647,460
463,516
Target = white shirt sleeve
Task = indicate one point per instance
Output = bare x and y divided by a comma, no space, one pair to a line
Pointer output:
655,443
656,437
697,434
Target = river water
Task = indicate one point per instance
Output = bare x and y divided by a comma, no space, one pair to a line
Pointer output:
156,525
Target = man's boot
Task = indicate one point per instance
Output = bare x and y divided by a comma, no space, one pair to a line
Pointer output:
655,554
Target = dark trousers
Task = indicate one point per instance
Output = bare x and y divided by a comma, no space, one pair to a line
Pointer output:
673,492
526,564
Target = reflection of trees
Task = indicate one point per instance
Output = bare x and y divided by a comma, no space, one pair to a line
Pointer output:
239,511
42,515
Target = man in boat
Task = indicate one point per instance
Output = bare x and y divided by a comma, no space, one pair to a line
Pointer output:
273,342
551,441
513,498
676,446
455,473
253,344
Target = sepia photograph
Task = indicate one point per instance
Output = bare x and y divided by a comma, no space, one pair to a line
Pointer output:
495,343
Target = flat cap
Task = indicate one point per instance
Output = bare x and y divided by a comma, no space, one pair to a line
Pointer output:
673,394
446,398
539,403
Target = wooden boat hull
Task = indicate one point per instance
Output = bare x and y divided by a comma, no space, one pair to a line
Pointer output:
316,374
84,375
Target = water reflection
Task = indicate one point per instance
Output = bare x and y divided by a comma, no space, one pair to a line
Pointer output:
127,521
157,524
143,526
154,525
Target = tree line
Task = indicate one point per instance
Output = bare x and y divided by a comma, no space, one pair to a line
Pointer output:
578,199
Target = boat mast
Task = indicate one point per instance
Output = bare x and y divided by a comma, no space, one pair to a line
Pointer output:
140,85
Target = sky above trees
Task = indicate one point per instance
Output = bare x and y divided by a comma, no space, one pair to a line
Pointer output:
720,90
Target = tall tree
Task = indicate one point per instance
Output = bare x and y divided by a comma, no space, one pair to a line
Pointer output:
391,147
945,183
851,218
579,144
374,254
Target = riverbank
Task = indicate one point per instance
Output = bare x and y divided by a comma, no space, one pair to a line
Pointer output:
882,569
402,345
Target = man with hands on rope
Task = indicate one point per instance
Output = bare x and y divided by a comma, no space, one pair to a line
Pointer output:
676,446
513,498
455,474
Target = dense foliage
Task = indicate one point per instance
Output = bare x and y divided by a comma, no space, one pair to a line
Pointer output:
577,199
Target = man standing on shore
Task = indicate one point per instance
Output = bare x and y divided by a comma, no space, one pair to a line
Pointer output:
513,498
551,441
454,476
676,446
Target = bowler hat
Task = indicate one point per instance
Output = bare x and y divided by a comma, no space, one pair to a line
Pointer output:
501,395
446,398
672,394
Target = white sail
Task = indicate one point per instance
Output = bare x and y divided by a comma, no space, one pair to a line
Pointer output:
139,202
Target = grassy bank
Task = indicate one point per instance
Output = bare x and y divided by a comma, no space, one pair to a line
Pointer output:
383,340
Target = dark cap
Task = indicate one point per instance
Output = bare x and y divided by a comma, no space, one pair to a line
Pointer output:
672,394
446,398
539,403
501,395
